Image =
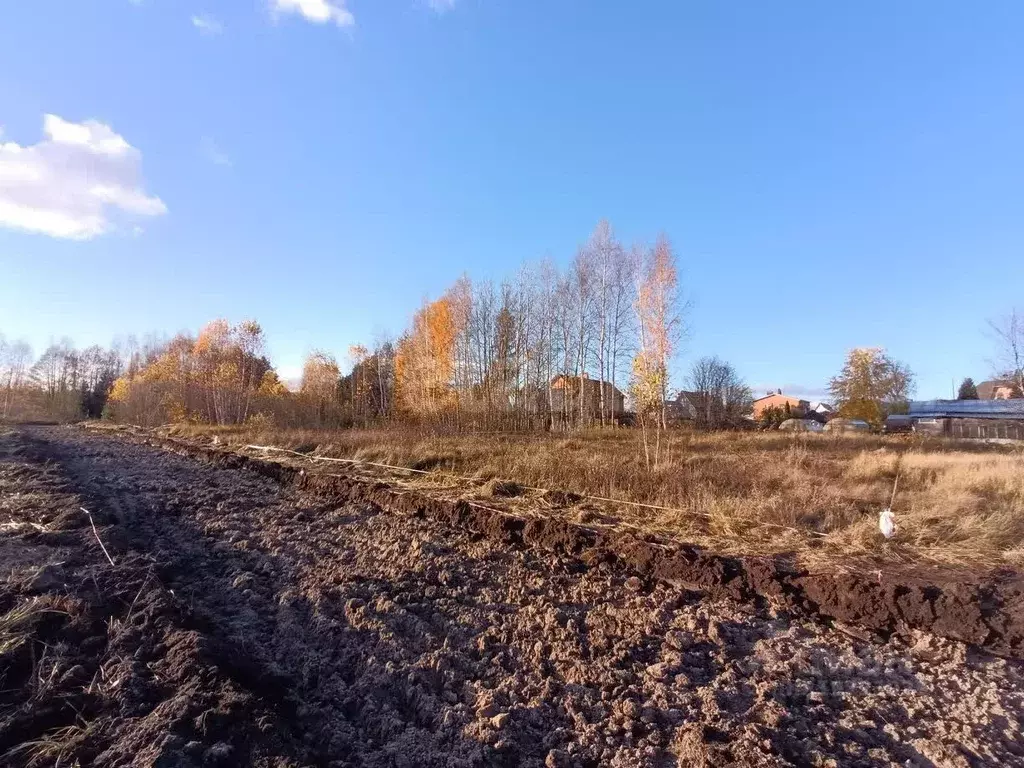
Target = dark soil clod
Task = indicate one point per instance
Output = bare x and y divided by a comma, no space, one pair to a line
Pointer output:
501,489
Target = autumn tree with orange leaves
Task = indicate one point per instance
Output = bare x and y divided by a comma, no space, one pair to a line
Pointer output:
545,349
212,378
425,361
659,321
319,387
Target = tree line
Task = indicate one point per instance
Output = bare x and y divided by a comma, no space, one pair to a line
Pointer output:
548,349
481,356
63,382
551,348
214,377
487,355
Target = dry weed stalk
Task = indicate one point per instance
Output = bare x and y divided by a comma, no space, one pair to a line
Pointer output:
97,534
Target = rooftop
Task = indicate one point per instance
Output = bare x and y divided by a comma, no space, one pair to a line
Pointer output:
967,409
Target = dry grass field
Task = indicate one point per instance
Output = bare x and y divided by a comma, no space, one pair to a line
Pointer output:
815,495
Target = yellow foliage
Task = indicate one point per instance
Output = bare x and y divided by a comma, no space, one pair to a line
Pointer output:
210,378
320,375
175,409
870,384
212,338
120,391
271,386
647,383
226,373
425,359
865,410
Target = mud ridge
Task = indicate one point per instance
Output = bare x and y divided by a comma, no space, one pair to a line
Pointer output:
985,611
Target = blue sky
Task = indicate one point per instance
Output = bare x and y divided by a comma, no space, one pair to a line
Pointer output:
832,175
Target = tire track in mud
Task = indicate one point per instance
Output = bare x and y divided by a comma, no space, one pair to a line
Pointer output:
317,631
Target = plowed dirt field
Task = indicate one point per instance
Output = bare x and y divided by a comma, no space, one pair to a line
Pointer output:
245,622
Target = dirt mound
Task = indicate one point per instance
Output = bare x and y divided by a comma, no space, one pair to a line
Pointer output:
253,623
987,611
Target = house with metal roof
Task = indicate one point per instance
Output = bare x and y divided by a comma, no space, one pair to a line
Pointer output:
1003,419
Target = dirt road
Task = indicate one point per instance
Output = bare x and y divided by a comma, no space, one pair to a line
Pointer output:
247,623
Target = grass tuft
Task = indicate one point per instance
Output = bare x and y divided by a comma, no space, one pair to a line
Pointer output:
18,624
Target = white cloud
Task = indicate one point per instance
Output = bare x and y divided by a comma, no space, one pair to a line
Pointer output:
317,11
207,25
441,5
209,149
69,183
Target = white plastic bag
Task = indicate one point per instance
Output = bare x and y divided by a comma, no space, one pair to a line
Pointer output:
887,523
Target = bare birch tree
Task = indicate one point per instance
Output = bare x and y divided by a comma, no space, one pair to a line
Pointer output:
383,371
721,396
659,319
583,283
15,358
621,322
606,256
1008,333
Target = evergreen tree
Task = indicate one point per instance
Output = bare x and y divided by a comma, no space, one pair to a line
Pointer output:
967,390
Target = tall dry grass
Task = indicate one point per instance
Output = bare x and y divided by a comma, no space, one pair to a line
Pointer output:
817,495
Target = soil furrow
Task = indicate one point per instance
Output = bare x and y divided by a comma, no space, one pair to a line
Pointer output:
985,610
252,622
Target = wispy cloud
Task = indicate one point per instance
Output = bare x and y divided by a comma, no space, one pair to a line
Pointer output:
207,25
209,149
70,183
441,6
316,11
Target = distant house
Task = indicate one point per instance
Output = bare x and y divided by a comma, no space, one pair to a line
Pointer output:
822,409
797,407
998,389
565,397
821,412
998,418
683,407
706,410
677,410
